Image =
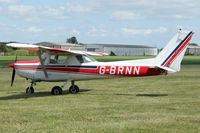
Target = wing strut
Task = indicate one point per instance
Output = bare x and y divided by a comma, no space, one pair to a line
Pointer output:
42,63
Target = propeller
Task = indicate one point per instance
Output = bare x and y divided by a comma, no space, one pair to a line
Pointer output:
13,73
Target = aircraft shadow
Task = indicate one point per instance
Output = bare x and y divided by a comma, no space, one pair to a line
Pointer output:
151,95
124,94
37,94
143,95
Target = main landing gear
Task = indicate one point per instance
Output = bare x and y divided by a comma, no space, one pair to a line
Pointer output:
56,90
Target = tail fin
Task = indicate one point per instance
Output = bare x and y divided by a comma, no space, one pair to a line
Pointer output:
172,55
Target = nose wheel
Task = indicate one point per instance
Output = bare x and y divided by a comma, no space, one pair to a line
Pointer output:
30,89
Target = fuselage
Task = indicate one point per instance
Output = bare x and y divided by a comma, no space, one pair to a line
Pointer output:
85,71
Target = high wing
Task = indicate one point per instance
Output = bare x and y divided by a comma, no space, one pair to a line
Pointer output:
53,50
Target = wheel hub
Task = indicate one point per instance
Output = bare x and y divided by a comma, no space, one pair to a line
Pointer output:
56,92
73,90
29,91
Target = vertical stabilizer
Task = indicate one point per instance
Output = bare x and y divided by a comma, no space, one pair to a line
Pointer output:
172,55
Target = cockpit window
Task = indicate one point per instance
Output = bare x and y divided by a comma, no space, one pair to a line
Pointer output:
84,59
44,56
66,59
80,58
57,59
88,58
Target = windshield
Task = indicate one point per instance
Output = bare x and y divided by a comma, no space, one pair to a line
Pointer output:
89,58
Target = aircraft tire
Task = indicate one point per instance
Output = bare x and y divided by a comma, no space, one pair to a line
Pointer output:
29,90
56,90
74,89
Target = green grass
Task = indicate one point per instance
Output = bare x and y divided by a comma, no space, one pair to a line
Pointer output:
146,104
6,60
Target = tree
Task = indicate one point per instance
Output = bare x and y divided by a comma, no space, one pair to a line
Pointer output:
72,40
4,48
112,54
193,44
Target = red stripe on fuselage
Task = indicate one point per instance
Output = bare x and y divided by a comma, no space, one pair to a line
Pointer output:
29,61
59,69
102,70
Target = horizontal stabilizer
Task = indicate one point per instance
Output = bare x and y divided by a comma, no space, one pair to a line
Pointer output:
169,70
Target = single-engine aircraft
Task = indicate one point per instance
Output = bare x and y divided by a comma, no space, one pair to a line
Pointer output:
56,65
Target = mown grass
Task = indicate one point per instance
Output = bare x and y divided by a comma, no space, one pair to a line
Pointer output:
146,104
6,60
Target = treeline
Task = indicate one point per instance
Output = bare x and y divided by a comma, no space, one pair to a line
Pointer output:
193,44
8,51
4,48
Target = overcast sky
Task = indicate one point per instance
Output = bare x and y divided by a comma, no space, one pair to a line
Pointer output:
145,22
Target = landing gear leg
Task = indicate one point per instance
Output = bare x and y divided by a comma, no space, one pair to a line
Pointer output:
30,89
73,88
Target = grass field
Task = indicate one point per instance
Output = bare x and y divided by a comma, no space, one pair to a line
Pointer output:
150,104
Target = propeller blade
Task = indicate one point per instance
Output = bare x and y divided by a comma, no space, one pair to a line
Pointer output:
13,77
13,73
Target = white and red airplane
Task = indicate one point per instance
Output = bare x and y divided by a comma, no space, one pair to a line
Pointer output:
56,65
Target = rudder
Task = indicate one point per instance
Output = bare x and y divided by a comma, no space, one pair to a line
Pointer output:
172,55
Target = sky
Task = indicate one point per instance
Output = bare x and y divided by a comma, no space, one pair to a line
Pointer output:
137,22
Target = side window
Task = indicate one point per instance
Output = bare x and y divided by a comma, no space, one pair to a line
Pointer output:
56,59
45,57
62,59
80,58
